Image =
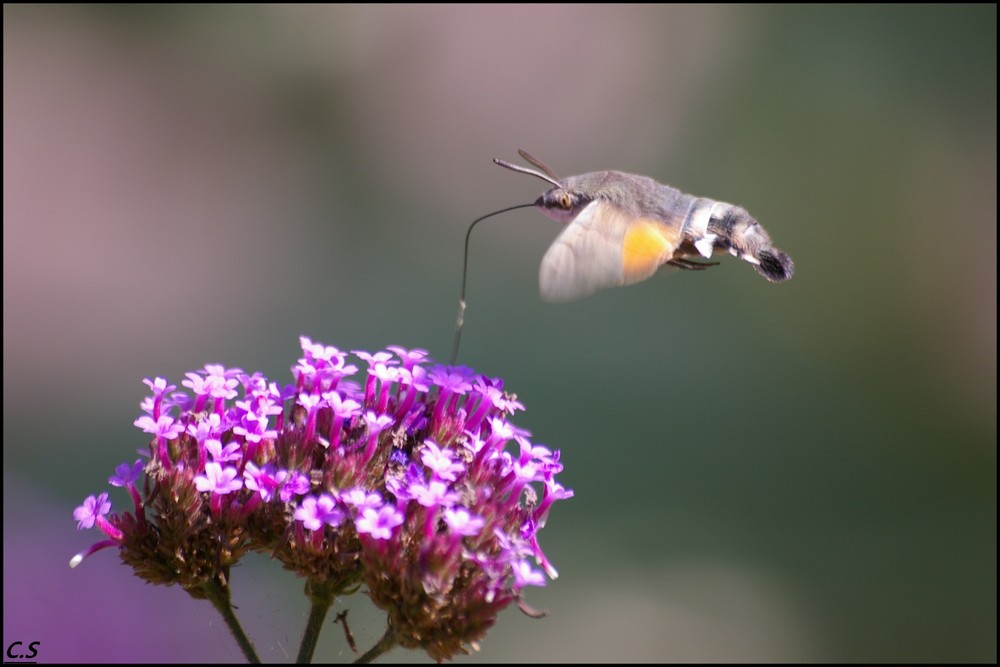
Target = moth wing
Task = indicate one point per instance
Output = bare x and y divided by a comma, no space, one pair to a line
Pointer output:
605,246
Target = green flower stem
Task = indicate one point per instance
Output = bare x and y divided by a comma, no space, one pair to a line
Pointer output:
217,593
321,597
383,646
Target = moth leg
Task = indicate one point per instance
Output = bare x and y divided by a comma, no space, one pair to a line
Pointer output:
688,265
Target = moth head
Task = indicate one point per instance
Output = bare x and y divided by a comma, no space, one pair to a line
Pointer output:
564,201
562,204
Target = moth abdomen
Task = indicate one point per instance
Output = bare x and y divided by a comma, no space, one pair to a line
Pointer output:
739,233
775,265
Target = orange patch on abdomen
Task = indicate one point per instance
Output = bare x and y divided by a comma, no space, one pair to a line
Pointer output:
647,245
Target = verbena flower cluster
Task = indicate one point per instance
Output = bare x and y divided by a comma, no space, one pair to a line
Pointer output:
410,480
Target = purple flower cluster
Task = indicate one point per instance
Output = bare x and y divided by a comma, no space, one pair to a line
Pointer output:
409,479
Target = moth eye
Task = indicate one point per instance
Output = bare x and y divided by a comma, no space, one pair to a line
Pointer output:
565,201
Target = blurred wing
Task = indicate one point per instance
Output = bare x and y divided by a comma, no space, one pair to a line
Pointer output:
605,246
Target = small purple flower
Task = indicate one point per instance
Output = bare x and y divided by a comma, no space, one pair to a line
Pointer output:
376,422
408,357
435,493
439,462
159,386
386,376
362,499
504,430
473,442
378,523
266,480
296,485
553,491
253,427
321,353
462,522
385,373
218,480
160,390
314,513
309,401
220,454
345,408
450,379
221,381
399,484
525,575
373,359
198,385
91,510
208,427
164,427
127,475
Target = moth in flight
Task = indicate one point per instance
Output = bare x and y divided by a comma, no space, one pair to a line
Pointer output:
621,228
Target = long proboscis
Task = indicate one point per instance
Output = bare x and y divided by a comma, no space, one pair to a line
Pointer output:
465,272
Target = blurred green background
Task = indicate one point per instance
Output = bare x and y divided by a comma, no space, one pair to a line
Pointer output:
794,472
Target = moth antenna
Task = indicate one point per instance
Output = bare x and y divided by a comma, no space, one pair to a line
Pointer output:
460,320
538,163
525,170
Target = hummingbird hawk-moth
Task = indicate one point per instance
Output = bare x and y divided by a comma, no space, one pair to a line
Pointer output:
621,228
